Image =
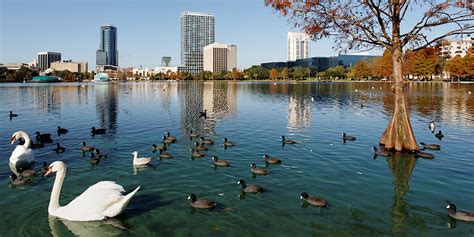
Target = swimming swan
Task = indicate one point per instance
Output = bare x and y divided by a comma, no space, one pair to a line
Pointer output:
22,153
100,201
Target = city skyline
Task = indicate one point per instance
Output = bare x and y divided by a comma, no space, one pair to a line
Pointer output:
145,36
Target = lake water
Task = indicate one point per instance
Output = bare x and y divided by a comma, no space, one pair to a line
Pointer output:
400,196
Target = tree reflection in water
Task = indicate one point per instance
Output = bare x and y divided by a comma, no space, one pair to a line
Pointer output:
401,165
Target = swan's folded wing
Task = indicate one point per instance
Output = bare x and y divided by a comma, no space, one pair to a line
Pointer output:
142,161
91,204
21,154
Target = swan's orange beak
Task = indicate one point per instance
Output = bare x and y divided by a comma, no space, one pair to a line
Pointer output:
13,139
49,171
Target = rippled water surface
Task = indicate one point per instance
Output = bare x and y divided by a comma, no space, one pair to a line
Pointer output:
400,196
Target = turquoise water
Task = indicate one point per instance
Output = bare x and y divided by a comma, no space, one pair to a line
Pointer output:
399,196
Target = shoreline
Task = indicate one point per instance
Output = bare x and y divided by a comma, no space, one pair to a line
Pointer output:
264,80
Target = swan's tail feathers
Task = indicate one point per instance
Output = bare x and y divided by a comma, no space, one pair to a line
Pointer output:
117,208
130,195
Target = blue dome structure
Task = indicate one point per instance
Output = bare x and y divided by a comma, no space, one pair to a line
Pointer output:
101,77
45,79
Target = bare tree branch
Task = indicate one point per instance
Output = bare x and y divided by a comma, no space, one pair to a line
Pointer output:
467,30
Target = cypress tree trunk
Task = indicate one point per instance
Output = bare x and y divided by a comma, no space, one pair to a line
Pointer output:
399,135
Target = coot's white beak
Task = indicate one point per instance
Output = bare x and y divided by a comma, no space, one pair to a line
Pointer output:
189,197
448,206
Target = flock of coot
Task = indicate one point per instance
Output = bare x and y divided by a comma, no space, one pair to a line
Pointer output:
23,155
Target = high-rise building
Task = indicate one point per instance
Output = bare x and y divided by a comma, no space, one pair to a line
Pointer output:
46,58
107,54
220,57
197,31
298,46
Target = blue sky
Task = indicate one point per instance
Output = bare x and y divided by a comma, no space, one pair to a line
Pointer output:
147,30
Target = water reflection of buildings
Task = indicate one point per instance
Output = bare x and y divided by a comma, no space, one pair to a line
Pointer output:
299,106
106,105
299,112
46,100
442,102
49,99
457,105
191,94
168,91
218,98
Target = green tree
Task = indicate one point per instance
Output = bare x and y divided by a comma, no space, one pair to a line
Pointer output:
216,76
256,72
308,72
10,78
298,73
321,75
222,75
91,75
336,72
21,74
204,75
183,75
228,76
236,75
284,73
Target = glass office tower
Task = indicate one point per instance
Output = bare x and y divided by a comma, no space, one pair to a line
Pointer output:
107,53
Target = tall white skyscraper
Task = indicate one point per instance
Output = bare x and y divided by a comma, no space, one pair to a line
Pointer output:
298,46
197,31
220,57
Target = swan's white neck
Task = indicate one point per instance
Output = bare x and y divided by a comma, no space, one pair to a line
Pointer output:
135,156
27,139
58,183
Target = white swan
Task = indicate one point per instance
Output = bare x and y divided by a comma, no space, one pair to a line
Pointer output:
22,153
140,161
101,200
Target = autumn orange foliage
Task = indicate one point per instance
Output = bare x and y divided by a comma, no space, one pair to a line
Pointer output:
356,25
